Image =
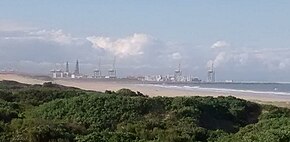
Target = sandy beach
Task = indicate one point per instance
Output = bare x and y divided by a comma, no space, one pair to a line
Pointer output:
150,90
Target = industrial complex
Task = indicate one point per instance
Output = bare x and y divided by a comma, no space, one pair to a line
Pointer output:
111,73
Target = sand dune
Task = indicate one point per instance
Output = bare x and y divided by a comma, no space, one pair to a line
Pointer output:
21,79
148,90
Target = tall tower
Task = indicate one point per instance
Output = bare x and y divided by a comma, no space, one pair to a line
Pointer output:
211,73
66,67
77,70
66,73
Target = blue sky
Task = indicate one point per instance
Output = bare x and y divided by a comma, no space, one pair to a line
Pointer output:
247,33
166,19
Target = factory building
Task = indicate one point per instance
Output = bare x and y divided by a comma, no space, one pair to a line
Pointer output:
112,73
98,72
58,73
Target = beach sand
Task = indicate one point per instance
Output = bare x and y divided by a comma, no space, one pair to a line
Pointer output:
152,91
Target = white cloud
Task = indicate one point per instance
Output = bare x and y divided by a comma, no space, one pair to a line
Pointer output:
53,35
267,59
15,32
9,26
221,58
123,47
220,44
176,56
243,58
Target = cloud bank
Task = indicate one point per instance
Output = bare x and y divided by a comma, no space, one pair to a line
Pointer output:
123,47
39,50
220,44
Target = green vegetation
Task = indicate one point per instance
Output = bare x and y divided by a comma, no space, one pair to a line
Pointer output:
54,113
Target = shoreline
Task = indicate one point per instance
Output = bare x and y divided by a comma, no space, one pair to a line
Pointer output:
153,91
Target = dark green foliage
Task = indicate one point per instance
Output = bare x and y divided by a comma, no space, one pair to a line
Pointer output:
109,92
8,84
183,118
274,112
55,113
49,84
39,96
4,135
56,86
269,130
126,92
7,96
228,113
8,111
36,94
38,130
97,112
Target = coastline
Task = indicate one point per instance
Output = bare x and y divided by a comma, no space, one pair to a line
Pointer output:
153,90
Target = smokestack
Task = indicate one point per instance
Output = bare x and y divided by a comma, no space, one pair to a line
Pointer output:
66,67
77,70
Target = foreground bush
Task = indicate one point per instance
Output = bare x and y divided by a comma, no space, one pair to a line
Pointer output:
54,113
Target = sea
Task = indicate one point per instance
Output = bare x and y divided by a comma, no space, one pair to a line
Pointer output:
259,88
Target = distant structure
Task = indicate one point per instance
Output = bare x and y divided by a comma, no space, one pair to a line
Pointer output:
77,70
176,77
66,67
178,73
97,72
211,74
67,73
112,73
64,71
7,71
57,73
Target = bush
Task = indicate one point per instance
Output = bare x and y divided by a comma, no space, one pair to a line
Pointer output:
128,92
55,113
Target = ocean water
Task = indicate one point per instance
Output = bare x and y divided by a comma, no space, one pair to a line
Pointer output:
259,88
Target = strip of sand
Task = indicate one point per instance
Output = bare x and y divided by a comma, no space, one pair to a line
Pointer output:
150,90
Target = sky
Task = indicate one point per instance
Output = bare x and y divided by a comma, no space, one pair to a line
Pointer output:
246,40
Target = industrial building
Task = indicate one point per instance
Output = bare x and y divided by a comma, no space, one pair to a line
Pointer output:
176,77
59,73
112,73
98,72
